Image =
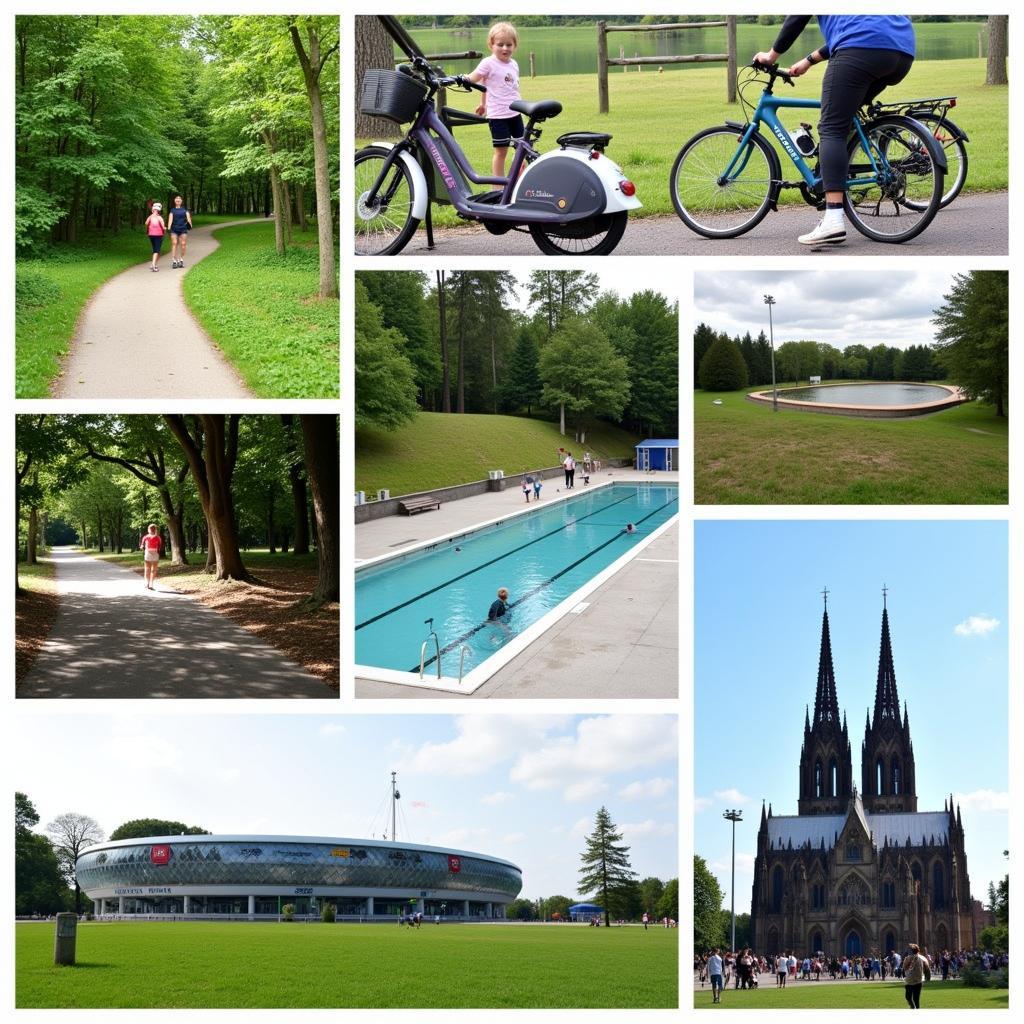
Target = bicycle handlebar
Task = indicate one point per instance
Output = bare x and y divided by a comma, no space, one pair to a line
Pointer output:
773,71
434,75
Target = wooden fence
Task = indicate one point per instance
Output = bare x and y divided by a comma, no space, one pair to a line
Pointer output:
604,61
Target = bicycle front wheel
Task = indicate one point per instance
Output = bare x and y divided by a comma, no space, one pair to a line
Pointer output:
712,202
898,193
955,149
384,225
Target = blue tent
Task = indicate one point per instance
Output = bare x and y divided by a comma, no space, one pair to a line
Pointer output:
583,911
658,453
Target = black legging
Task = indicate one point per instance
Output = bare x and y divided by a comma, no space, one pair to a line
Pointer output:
853,77
914,996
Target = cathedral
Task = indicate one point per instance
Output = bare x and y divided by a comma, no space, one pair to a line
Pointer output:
860,870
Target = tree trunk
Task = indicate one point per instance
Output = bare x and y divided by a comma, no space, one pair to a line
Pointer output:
298,488
320,441
270,520
312,65
286,203
373,50
279,210
31,538
460,380
176,534
446,375
300,205
995,70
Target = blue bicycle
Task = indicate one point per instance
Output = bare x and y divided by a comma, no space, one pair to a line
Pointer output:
726,179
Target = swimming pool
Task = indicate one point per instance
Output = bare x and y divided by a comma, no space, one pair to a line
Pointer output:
868,398
547,557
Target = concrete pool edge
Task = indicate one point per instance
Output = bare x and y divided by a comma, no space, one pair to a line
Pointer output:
474,679
954,397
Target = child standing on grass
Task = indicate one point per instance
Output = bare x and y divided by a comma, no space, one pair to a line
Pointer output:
500,74
155,231
152,546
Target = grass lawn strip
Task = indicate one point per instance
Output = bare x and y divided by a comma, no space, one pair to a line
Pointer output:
441,450
271,612
264,312
209,964
35,611
652,115
746,454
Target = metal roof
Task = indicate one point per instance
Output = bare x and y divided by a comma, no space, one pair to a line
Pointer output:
921,828
659,442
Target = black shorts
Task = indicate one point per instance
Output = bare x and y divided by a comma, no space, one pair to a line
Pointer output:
157,241
505,129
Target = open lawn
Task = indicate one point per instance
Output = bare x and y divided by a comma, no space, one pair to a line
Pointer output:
855,995
441,449
264,312
35,608
51,291
652,115
207,964
746,454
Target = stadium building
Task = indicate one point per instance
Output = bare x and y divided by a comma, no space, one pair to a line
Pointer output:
209,876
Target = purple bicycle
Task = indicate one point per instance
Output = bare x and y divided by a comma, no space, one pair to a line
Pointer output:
574,200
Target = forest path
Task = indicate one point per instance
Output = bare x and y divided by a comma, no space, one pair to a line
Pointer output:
137,338
114,638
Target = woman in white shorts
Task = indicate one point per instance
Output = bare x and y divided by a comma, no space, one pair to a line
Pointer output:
152,546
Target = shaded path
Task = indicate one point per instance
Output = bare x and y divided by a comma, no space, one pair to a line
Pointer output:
137,338
114,638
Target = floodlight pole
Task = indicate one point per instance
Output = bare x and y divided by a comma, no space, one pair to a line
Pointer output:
769,301
733,816
394,801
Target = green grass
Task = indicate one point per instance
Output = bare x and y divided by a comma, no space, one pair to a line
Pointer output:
254,559
746,454
652,115
264,312
207,964
38,577
441,450
854,995
51,292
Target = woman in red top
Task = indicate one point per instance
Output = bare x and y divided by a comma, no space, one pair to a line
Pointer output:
152,546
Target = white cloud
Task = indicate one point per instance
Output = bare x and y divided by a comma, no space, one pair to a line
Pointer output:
702,803
732,796
585,789
461,837
651,788
582,827
650,827
976,625
515,837
983,800
500,797
332,729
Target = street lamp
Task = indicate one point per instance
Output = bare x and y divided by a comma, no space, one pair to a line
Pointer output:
733,816
769,301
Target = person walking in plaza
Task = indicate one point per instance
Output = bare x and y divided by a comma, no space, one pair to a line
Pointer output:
152,547
916,971
715,971
781,970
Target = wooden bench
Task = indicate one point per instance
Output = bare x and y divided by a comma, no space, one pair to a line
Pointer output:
411,505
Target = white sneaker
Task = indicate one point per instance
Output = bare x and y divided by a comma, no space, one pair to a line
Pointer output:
822,235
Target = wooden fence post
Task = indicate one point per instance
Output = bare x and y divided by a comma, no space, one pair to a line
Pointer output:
602,67
730,65
533,64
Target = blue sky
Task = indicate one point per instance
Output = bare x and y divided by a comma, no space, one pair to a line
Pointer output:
521,787
757,633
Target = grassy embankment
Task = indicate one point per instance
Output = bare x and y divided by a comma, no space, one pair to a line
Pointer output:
652,115
440,450
52,290
206,964
264,313
746,454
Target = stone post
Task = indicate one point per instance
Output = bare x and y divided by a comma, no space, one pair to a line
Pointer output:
65,938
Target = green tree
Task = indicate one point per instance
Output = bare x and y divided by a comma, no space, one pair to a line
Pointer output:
651,891
708,932
606,875
703,338
143,828
557,905
521,910
38,886
521,385
744,937
722,368
973,335
557,295
668,905
70,834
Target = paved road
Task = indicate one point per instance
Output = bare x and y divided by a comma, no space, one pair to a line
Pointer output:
114,638
138,339
973,225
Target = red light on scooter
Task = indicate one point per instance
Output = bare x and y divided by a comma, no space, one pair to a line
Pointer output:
627,188
594,155
952,102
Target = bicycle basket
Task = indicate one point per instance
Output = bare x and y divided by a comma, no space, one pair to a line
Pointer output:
392,95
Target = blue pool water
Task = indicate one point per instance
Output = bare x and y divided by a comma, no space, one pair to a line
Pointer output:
541,557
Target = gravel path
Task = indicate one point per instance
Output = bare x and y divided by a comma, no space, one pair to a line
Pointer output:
138,339
114,638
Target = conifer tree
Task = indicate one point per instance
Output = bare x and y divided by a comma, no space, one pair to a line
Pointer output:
606,874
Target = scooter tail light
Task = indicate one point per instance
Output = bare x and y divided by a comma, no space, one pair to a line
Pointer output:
594,155
627,188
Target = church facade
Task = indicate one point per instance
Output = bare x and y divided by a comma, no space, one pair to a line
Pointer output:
860,869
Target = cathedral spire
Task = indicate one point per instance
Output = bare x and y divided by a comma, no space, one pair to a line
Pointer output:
826,704
887,700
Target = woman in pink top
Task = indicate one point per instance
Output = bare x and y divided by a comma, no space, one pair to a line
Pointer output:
500,74
155,230
152,545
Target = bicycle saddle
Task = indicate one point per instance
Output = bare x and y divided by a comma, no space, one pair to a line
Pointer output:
539,111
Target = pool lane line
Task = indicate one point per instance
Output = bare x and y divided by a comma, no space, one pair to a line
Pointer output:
484,565
448,648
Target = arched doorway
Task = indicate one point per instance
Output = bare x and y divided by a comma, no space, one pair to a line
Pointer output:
817,943
941,938
889,941
854,946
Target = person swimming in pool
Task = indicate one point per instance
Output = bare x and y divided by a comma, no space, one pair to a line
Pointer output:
500,612
630,528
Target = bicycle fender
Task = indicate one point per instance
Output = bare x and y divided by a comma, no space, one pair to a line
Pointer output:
937,152
602,174
420,192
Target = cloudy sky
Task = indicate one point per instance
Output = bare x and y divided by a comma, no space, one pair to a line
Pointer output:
757,642
521,787
840,308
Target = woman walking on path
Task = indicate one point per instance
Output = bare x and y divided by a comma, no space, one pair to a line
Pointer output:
179,223
152,546
155,231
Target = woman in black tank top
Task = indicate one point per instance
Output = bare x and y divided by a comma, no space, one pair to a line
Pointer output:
179,222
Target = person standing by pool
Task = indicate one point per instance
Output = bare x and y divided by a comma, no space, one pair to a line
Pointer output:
569,465
865,53
527,487
152,546
536,486
155,231
179,223
500,612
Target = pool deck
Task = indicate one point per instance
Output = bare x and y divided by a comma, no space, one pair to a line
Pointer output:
623,643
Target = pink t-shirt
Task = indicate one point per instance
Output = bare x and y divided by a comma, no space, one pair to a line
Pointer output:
502,83
155,224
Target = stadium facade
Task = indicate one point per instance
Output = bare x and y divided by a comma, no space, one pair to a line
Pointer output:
211,876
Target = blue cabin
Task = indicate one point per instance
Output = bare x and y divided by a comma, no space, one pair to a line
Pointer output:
658,453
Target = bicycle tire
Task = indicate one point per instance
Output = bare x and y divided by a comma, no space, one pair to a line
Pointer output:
901,207
377,232
563,242
701,204
950,138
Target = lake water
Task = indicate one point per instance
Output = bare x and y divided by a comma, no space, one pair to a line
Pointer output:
572,50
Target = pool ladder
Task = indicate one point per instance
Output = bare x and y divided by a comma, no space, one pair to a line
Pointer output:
432,635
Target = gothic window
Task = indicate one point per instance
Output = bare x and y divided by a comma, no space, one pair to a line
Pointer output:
778,887
897,777
817,899
938,887
890,941
819,785
817,943
833,773
915,871
879,777
854,893
852,851
888,895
